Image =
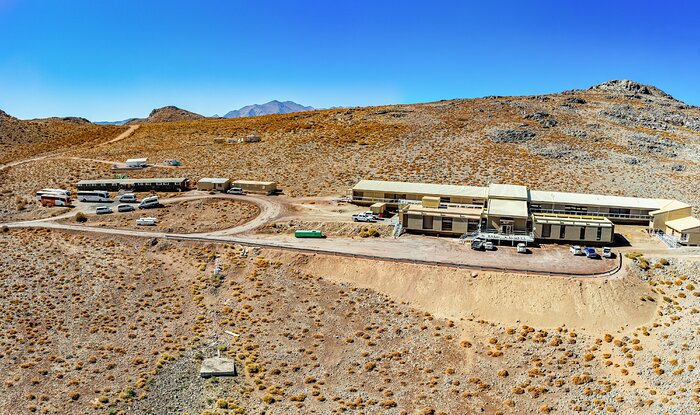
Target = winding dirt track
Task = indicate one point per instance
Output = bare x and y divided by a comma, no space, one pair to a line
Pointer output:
400,250
120,137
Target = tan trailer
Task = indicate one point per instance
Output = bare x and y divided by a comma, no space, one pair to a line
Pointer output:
252,186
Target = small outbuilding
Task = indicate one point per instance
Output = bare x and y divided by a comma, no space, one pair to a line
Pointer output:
141,162
220,184
686,230
252,186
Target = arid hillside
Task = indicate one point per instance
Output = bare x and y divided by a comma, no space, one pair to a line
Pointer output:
21,139
619,137
167,114
109,324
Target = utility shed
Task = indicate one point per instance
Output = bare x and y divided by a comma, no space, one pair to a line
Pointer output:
217,367
378,208
252,186
213,183
573,228
687,230
142,162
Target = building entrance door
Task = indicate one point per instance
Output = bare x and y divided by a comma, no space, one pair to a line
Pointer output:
507,229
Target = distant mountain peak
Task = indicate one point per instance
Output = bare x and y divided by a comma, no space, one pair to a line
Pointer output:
272,107
168,113
627,86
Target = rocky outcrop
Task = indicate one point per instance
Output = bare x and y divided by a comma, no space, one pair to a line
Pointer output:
167,114
510,136
625,86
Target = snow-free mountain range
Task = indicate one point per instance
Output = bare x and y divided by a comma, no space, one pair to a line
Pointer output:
172,113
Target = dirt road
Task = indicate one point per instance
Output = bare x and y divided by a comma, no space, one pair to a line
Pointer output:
124,135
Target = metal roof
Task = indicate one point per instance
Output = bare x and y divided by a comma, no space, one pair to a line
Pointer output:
421,188
254,182
670,207
684,224
539,196
470,213
600,221
134,181
141,160
213,180
508,207
507,191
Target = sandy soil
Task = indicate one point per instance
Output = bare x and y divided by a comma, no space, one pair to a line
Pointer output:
318,334
190,216
540,301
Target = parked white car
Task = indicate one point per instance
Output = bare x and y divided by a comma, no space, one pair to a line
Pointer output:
102,210
522,249
489,246
363,217
576,250
146,221
235,191
607,252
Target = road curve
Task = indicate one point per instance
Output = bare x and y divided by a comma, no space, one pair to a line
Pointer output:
270,209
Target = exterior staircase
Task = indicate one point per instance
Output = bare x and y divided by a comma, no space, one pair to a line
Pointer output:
668,240
398,230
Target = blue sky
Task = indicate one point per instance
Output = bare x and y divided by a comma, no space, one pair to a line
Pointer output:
109,60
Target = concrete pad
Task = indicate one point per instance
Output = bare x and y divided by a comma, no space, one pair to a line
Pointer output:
217,366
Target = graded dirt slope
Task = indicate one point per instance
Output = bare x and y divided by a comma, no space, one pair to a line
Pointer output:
20,139
541,301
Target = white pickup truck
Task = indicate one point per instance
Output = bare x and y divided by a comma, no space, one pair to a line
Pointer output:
364,217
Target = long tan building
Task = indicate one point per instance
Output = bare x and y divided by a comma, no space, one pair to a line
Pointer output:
512,212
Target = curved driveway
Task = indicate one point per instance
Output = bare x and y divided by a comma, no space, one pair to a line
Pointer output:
412,250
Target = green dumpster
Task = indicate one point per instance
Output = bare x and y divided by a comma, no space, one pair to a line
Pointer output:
308,234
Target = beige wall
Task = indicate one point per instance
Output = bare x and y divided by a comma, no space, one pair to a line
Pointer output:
256,188
414,222
573,233
519,224
418,197
658,222
693,235
212,186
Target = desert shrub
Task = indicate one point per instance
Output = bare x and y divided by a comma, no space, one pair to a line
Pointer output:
80,217
5,229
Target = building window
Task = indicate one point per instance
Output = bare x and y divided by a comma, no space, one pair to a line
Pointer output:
359,195
447,224
582,233
535,206
546,230
575,209
427,222
619,211
599,234
562,232
444,199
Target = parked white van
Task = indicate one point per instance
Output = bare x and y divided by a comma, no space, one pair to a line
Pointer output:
128,198
101,210
146,221
149,202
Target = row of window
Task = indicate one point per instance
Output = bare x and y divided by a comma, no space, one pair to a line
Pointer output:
547,232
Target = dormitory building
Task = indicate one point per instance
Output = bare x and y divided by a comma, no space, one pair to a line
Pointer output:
515,213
